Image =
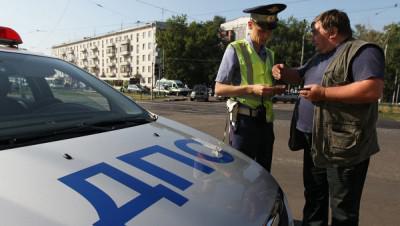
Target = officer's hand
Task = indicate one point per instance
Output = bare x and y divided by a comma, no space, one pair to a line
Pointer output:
262,90
313,92
277,71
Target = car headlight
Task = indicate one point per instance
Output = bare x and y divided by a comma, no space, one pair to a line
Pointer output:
278,215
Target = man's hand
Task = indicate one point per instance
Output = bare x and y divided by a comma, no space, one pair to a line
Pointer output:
265,90
313,92
277,71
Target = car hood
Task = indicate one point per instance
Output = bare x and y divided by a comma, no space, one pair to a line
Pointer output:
161,173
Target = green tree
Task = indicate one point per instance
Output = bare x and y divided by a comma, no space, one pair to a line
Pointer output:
287,42
369,35
391,46
388,40
192,51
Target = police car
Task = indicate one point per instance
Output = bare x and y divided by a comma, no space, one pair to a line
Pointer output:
74,151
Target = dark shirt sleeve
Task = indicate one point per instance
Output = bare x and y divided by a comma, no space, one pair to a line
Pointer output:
368,63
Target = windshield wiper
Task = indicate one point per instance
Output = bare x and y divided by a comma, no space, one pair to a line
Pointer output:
74,130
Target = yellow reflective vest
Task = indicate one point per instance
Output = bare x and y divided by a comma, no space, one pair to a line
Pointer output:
254,70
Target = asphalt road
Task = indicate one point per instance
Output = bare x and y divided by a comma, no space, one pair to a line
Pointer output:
381,197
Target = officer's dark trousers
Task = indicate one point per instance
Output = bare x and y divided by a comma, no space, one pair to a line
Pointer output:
254,138
339,187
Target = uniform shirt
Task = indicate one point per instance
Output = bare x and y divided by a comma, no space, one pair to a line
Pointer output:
229,69
368,63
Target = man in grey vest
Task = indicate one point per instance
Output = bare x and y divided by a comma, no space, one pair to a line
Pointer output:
338,111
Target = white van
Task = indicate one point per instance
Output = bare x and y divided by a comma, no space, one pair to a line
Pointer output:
175,87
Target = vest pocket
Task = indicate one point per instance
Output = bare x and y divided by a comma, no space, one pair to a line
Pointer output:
342,138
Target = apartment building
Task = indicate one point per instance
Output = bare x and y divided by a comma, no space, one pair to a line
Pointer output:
116,56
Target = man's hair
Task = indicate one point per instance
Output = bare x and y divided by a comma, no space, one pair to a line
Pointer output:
335,19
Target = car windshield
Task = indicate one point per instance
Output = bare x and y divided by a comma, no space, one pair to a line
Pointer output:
42,96
180,84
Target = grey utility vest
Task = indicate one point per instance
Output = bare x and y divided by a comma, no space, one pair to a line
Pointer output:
343,134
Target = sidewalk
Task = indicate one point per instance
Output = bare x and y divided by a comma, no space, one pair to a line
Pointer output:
160,99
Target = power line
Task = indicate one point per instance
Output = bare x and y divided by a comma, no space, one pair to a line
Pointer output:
361,11
237,9
47,37
163,9
108,9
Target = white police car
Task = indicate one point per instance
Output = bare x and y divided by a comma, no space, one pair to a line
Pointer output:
74,151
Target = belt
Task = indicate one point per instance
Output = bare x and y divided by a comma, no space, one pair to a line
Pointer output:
247,111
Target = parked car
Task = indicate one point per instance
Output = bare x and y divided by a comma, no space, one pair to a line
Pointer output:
175,87
199,92
220,98
285,98
161,89
89,155
134,88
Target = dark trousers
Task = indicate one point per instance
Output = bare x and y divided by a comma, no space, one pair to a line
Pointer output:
253,138
339,187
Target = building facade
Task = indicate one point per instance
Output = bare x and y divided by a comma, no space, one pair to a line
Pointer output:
235,29
126,55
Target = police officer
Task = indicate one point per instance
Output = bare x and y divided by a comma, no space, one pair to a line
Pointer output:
245,76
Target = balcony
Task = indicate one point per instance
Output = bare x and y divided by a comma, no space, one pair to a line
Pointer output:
93,56
110,53
71,59
125,63
126,42
125,52
111,64
110,45
125,74
93,65
93,48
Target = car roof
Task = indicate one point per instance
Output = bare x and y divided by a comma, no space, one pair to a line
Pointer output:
22,51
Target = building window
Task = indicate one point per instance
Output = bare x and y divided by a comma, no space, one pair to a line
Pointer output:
143,69
149,80
149,69
143,58
149,57
149,34
149,45
144,46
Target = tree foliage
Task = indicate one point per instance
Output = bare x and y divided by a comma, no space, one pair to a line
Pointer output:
192,51
287,42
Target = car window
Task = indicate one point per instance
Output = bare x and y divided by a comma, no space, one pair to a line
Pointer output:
46,97
19,89
71,90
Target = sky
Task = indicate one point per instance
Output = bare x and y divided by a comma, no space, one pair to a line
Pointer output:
45,23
